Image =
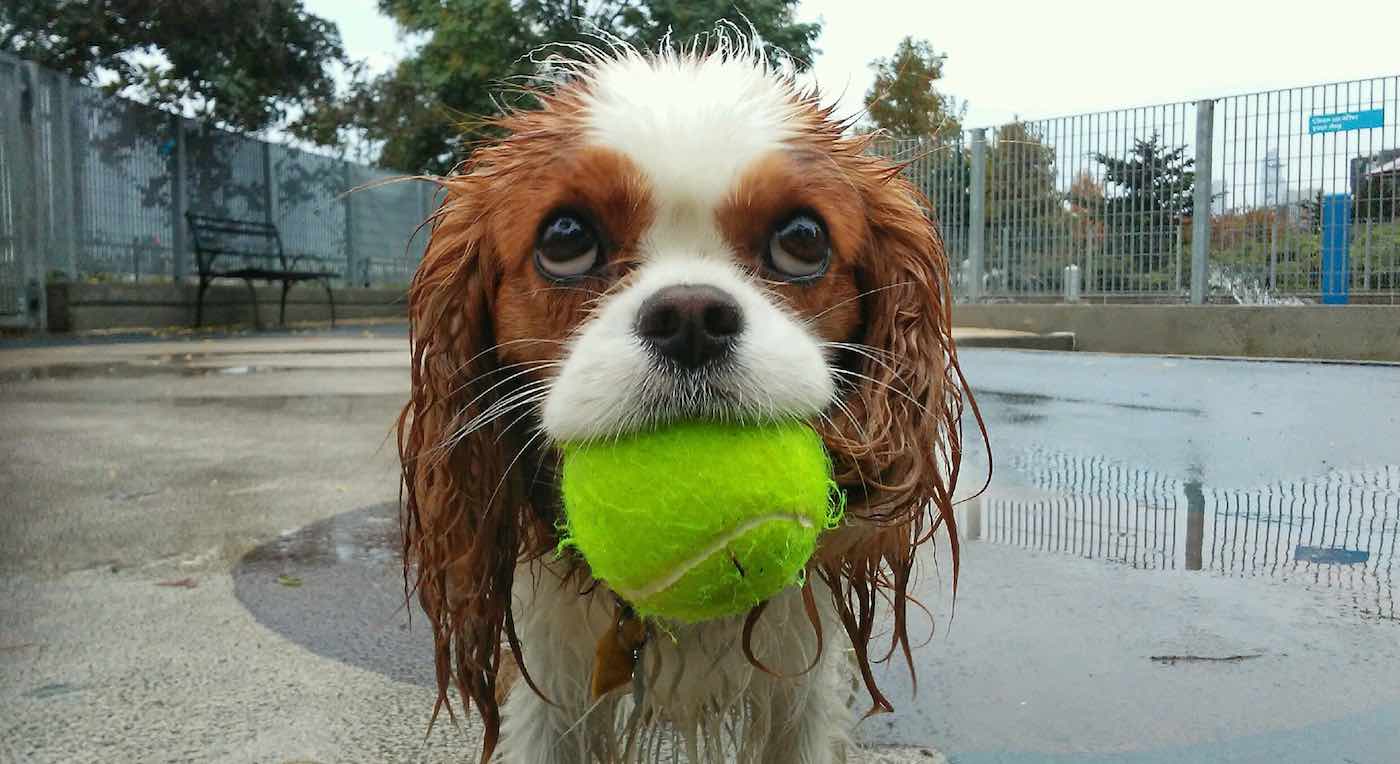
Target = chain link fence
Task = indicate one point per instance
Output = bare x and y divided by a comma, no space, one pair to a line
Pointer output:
1283,197
96,188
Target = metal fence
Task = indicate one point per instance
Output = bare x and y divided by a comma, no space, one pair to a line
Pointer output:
1301,189
1287,196
94,187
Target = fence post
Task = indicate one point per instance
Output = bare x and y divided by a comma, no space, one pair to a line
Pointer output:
19,156
977,216
14,131
179,202
351,275
65,162
38,193
1200,205
269,185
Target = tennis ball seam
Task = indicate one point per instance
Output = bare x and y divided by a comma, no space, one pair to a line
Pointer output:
714,547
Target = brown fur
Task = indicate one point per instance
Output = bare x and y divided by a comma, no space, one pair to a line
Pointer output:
475,506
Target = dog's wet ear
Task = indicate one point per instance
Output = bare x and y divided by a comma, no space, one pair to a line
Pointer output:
467,518
897,441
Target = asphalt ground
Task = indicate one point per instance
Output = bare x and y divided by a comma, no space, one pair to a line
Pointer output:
1179,560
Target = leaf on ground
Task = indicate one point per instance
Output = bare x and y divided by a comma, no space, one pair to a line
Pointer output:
183,583
287,580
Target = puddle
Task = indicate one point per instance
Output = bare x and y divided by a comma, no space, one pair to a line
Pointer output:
1038,399
125,370
335,587
180,365
1336,531
52,690
369,536
192,357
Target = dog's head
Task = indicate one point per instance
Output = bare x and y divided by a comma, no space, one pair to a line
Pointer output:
670,236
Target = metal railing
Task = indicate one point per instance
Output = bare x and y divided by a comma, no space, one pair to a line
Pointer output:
1306,201
94,187
1286,196
1299,191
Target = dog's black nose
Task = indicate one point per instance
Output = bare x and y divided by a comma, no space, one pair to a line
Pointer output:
690,324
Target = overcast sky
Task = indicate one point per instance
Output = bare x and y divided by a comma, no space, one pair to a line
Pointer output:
1043,59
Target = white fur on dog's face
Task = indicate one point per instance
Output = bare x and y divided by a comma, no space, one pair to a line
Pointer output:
692,128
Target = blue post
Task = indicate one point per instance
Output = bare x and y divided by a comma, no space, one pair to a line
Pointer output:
1336,265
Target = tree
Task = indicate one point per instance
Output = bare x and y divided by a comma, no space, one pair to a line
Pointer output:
424,114
904,99
239,63
1155,188
1085,209
1311,209
1020,176
1025,211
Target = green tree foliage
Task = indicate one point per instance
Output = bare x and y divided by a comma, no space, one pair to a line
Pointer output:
1026,214
1020,176
1155,185
424,114
1311,209
904,99
240,63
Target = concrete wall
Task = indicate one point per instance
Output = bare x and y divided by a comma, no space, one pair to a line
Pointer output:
1351,332
76,307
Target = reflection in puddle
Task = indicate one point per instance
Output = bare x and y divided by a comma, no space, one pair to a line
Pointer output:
1337,531
177,364
359,537
124,370
1024,399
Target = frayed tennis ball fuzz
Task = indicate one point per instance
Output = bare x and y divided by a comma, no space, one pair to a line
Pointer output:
700,520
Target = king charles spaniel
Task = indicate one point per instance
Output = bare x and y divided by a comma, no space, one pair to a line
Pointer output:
671,235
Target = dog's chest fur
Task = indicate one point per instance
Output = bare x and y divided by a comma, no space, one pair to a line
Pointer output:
695,690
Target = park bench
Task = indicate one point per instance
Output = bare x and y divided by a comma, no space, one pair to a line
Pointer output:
250,250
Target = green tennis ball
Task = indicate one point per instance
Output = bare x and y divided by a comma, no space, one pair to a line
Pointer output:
699,520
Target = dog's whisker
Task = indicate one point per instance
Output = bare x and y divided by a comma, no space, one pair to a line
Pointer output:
487,416
868,351
528,409
531,367
528,395
923,407
501,344
862,295
497,346
492,412
491,502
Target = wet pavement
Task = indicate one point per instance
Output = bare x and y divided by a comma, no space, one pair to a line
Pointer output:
1179,560
198,555
284,585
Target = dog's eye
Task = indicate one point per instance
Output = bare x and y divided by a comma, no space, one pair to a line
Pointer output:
800,248
567,247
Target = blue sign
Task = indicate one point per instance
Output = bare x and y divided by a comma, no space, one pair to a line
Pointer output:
1347,120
